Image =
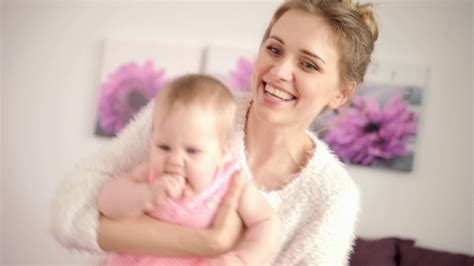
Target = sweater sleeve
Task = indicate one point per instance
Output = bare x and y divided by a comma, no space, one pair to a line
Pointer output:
325,236
74,218
334,236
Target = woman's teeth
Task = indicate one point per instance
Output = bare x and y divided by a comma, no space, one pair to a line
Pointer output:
282,95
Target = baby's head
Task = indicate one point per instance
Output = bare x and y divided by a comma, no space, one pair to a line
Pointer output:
192,128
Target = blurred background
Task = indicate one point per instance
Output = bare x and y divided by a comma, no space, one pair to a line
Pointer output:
51,56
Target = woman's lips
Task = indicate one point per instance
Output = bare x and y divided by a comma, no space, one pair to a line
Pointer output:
277,93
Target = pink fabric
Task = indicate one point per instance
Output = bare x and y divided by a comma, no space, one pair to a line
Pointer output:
197,211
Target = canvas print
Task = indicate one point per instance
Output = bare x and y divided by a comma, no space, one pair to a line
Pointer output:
379,127
132,73
231,65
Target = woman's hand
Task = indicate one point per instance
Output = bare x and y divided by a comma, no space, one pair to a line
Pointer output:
227,226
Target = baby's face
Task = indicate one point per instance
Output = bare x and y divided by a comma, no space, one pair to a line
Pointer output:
187,143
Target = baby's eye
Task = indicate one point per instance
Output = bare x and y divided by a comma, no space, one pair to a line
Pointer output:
164,147
192,151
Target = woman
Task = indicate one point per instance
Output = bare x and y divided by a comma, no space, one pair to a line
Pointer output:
313,55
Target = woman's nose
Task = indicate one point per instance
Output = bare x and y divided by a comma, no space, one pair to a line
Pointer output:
283,70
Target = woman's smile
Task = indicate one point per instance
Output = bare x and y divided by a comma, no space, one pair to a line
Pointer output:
278,93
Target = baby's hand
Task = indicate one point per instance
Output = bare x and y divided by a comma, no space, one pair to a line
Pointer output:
171,186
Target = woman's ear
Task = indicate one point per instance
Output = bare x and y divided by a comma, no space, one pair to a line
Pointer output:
343,96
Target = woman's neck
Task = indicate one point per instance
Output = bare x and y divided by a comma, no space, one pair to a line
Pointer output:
275,153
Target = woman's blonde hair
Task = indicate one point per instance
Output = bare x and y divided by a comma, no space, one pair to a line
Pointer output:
354,27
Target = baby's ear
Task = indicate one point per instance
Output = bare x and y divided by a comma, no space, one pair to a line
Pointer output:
226,148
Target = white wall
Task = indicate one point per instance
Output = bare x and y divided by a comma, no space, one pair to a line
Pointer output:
51,64
434,203
472,127
1,124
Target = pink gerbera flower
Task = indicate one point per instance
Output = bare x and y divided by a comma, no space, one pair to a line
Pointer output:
126,91
240,78
366,132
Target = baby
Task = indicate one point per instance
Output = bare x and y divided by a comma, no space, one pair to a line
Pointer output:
188,173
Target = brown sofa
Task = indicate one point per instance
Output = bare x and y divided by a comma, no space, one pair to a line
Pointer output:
393,251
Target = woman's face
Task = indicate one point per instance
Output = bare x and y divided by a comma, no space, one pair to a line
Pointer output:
296,73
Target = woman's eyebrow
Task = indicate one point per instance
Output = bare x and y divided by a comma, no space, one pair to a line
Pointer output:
276,38
310,54
306,52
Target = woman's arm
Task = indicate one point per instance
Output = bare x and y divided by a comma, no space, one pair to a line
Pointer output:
75,215
147,236
263,235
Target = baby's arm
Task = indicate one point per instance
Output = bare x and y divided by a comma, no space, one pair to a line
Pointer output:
263,235
126,196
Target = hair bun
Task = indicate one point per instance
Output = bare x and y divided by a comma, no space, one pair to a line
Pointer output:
367,15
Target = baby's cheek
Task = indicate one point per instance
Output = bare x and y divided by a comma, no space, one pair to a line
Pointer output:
203,176
156,163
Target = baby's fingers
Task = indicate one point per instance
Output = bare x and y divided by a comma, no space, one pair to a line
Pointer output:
175,186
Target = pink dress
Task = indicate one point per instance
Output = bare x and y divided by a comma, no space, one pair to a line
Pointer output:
197,211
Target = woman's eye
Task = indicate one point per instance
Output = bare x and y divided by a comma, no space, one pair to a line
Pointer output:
309,66
273,50
164,147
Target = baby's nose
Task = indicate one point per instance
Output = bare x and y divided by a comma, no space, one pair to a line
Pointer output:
175,159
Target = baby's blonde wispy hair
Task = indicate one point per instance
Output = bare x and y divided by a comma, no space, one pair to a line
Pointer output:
205,91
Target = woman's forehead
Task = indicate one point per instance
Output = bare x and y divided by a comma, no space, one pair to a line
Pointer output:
304,31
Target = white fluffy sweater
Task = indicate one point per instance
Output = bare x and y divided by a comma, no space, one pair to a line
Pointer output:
318,208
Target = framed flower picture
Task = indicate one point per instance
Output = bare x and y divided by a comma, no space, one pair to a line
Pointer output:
132,73
380,126
377,129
